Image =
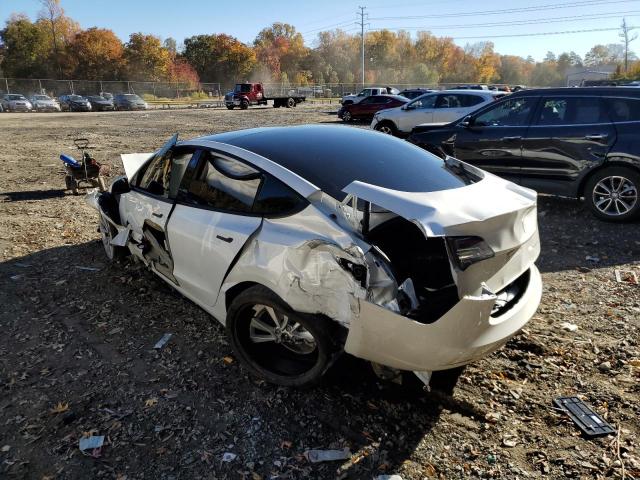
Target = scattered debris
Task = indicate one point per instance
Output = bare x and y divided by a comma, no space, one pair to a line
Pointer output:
91,443
605,367
388,477
89,269
228,360
626,276
315,456
229,457
570,327
163,341
60,408
5,448
591,424
593,259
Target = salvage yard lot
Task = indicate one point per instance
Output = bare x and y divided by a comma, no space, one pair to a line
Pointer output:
76,350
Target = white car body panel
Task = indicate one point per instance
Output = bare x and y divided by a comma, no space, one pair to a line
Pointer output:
133,161
201,258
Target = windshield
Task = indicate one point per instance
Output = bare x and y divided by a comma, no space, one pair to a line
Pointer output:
243,88
41,97
75,98
131,96
96,99
16,97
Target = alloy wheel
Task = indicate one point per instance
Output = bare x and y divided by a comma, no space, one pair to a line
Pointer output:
270,325
615,195
386,129
106,234
346,116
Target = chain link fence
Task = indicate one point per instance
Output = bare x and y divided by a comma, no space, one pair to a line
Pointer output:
198,91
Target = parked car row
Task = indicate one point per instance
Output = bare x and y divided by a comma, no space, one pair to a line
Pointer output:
573,142
15,102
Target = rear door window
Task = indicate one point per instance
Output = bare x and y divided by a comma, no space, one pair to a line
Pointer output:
514,112
572,110
470,100
449,101
623,109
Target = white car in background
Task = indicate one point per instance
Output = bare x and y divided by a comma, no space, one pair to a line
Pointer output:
367,92
432,108
44,103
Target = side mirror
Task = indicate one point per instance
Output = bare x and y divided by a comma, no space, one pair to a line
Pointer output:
120,186
408,107
467,121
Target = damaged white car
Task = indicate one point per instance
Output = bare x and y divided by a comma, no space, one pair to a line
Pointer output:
312,240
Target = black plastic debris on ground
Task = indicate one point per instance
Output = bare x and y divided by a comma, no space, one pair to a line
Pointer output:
591,424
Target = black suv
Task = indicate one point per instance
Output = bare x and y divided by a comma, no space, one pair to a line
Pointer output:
574,142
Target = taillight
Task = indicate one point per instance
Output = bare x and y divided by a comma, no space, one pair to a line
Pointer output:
469,250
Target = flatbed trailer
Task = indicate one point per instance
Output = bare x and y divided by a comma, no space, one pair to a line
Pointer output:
247,94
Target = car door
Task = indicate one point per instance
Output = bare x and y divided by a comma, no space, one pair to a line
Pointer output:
212,221
364,108
492,138
417,112
569,136
148,205
448,107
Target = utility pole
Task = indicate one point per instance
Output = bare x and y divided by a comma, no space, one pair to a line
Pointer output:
361,23
626,40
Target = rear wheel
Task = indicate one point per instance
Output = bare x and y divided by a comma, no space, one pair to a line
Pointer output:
612,194
282,346
387,127
291,103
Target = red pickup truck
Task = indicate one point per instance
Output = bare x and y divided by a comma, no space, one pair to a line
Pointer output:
245,94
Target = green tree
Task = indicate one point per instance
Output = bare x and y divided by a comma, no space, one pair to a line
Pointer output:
147,59
219,58
25,49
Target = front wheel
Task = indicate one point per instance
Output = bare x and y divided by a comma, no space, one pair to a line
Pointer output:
291,103
347,117
107,233
244,105
282,346
612,194
229,107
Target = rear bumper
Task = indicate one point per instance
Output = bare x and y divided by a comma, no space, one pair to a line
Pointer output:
466,333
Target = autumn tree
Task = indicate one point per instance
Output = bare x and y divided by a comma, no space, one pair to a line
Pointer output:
59,30
147,59
281,49
182,71
97,53
219,57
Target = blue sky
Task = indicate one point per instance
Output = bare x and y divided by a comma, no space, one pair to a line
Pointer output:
458,19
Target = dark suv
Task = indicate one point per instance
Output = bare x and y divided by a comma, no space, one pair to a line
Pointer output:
574,142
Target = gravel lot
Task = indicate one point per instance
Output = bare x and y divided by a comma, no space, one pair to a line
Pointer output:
76,350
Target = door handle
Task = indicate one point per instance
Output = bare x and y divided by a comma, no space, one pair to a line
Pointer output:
595,137
225,239
156,214
511,139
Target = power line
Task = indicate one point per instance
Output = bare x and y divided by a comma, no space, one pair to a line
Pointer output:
553,6
573,18
539,34
329,27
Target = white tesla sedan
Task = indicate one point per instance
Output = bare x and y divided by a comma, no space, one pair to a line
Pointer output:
313,240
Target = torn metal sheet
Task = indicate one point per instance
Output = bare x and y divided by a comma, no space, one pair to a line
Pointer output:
133,161
163,341
464,334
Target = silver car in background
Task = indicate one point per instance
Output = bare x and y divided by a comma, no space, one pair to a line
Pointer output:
44,103
432,108
15,102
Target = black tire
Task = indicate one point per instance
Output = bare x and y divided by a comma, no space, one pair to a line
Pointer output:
244,105
289,361
387,127
290,103
445,381
229,107
622,203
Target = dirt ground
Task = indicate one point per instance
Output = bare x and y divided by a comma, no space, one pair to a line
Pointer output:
76,349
